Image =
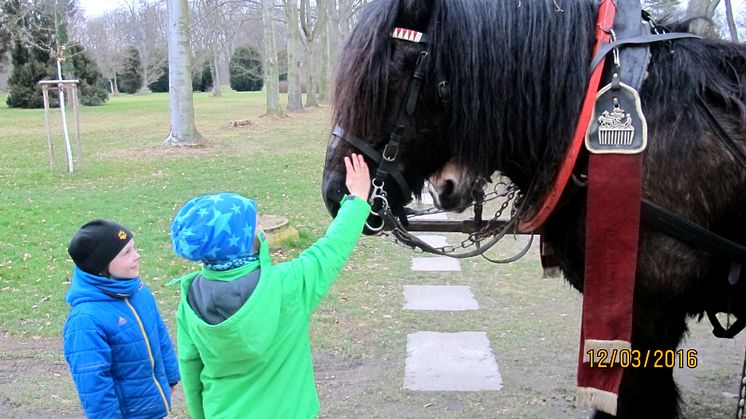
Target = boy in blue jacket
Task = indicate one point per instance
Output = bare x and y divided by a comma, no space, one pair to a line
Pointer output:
116,344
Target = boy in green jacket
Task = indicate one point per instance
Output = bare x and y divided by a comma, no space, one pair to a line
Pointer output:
243,323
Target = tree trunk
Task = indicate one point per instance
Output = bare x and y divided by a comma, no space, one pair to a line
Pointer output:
333,39
295,100
271,72
706,9
144,88
183,128
215,69
324,49
731,21
312,98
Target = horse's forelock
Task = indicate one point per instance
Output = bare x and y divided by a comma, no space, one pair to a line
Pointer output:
505,61
359,91
415,14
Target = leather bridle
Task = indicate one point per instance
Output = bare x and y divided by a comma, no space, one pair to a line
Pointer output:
386,159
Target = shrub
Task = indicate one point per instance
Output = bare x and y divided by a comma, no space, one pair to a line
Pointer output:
160,85
129,76
246,71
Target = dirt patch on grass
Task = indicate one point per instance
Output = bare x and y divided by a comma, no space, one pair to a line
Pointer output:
34,380
158,151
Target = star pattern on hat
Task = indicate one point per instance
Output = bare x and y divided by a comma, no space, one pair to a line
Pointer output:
187,249
221,221
216,229
213,253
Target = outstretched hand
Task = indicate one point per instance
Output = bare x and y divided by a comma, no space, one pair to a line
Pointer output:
357,177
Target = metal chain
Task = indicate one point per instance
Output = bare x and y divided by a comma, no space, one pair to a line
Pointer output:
490,231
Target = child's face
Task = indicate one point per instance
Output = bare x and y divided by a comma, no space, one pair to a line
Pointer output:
127,263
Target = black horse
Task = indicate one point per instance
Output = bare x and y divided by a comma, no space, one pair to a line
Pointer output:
518,72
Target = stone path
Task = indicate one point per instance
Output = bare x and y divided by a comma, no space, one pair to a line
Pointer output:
450,362
439,297
438,361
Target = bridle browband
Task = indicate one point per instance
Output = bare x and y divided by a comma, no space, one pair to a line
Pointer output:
386,159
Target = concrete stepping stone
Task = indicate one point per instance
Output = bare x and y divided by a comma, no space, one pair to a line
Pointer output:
435,264
433,240
450,362
439,297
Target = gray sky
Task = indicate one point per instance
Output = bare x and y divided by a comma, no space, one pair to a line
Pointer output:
98,7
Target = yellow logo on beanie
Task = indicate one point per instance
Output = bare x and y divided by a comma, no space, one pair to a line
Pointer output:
122,235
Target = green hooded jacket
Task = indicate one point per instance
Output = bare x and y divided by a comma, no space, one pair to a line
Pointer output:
257,363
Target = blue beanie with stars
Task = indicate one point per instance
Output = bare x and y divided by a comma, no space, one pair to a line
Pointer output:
217,230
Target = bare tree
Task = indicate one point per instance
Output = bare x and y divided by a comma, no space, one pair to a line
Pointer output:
102,40
347,12
294,49
332,40
313,23
324,28
731,21
271,72
183,128
32,26
215,29
145,29
704,9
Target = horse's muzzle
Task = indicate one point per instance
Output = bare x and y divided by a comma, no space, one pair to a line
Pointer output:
333,190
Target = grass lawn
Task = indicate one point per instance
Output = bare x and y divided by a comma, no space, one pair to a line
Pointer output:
359,333
127,175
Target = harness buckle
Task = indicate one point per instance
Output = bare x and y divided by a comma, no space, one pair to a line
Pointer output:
390,152
444,91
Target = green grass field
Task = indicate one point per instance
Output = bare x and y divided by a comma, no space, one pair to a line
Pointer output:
128,175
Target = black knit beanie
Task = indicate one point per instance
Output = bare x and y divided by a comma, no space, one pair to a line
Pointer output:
96,244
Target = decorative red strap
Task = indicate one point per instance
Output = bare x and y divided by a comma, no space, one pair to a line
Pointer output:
611,245
606,12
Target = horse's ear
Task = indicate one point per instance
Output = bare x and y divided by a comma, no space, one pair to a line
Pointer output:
415,14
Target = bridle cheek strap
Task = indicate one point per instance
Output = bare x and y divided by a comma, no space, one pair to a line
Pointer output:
372,154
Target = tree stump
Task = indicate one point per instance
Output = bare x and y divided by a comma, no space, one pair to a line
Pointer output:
277,229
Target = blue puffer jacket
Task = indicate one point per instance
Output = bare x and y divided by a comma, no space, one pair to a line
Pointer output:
118,348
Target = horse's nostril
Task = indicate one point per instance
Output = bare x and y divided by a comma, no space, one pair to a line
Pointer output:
448,188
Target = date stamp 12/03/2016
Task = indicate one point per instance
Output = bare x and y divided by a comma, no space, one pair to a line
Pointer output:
645,358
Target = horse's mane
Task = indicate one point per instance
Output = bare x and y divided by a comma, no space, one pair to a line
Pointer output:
507,64
679,74
518,72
